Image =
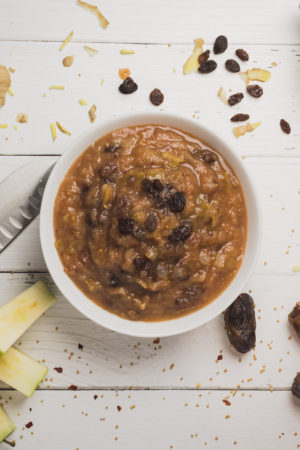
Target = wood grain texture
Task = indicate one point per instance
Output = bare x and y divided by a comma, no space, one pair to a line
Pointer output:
39,66
156,21
155,420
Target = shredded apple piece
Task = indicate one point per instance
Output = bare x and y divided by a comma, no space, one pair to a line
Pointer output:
4,83
92,113
102,81
82,101
53,131
57,86
3,125
192,63
62,128
222,95
15,127
12,70
94,9
243,129
255,75
91,51
68,38
10,91
22,118
296,268
123,51
124,73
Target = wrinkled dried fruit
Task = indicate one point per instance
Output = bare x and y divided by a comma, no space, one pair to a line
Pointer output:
235,98
156,97
255,90
182,303
177,202
112,148
128,86
220,45
294,318
208,66
239,117
242,54
141,262
240,323
151,222
125,225
182,232
285,126
232,66
296,386
203,57
208,157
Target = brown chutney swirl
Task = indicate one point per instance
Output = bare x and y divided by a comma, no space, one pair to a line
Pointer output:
150,223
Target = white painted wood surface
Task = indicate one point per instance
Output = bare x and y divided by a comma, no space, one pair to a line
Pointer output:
165,397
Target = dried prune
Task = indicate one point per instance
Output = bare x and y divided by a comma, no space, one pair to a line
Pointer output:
182,302
220,45
112,148
182,232
255,90
203,57
242,54
128,86
294,318
235,98
125,225
296,386
156,97
141,262
207,156
177,202
239,117
107,170
151,222
232,66
240,323
285,126
208,66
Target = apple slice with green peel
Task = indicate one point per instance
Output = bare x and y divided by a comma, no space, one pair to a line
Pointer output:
21,372
18,314
6,425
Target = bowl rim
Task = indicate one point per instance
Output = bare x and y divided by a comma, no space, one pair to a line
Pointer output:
95,312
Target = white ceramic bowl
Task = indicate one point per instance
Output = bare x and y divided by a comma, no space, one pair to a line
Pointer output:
87,306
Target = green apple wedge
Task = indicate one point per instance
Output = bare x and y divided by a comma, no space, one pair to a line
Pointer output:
21,372
18,314
6,425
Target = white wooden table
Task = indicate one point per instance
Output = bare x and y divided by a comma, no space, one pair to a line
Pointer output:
157,385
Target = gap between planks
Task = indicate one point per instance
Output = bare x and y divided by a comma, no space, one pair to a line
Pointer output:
158,388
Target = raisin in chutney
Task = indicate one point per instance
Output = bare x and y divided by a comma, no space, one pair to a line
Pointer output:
150,223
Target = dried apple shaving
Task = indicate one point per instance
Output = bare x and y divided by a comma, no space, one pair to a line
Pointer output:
4,83
94,9
123,51
10,91
12,70
222,95
53,131
296,268
255,75
62,128
192,64
3,125
243,129
15,127
91,51
57,86
92,113
22,118
102,81
68,38
82,101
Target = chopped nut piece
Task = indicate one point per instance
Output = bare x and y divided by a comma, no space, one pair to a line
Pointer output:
255,75
22,118
68,61
4,83
53,131
127,52
62,128
94,9
243,129
3,125
12,70
10,91
82,101
192,63
124,73
92,113
222,95
57,86
68,38
91,51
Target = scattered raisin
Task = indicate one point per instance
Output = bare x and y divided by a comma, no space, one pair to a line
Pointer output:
182,232
255,90
208,157
203,57
158,185
208,66
72,387
235,98
239,117
182,303
125,225
177,202
285,126
141,262
58,369
240,323
156,97
128,86
112,148
29,425
80,347
151,187
220,45
242,54
294,318
232,66
296,386
119,408
95,397
151,222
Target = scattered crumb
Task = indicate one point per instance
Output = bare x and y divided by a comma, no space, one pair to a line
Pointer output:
68,61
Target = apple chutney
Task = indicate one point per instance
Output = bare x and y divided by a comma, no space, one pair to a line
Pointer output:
150,223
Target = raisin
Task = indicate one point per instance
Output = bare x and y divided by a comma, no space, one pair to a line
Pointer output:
138,233
255,90
107,170
232,66
182,303
242,54
151,222
177,202
194,291
285,126
148,186
156,97
239,117
203,57
128,86
235,98
158,185
208,157
182,232
141,262
112,148
240,323
294,318
125,225
220,45
208,66
296,386
114,280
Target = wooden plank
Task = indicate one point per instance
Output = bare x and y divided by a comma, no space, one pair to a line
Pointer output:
112,360
155,21
163,419
277,180
39,65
